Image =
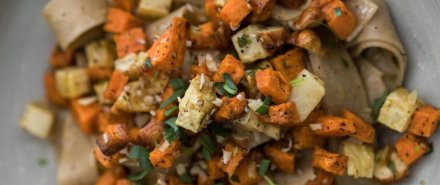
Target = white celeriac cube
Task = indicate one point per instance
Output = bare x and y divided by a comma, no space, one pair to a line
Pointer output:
154,9
360,160
36,120
100,54
72,82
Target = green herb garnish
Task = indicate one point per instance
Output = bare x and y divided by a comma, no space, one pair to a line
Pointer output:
137,176
171,134
263,108
243,40
297,82
42,162
207,142
268,180
169,111
141,154
185,178
264,166
219,86
229,85
178,83
172,98
148,63
220,130
206,154
337,11
392,167
172,123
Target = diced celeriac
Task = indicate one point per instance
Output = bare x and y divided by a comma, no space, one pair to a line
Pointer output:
153,9
196,105
272,131
360,159
72,82
99,90
140,95
388,166
131,64
307,92
398,109
37,120
248,45
249,122
100,54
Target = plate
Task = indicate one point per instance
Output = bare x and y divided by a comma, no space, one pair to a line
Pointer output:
26,41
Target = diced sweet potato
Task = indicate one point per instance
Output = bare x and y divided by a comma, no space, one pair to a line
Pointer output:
151,134
214,171
108,118
330,162
108,178
52,93
322,178
133,134
211,9
209,35
304,138
233,67
231,108
410,148
425,121
116,85
168,50
247,172
229,164
273,83
308,18
339,18
364,131
290,63
333,126
163,157
127,5
284,114
284,161
85,115
119,21
234,12
197,69
61,58
99,73
113,139
130,41
261,10
106,161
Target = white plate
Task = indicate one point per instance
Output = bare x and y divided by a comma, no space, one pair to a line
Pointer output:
26,41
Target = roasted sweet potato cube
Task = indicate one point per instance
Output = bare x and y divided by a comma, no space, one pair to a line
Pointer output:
85,114
410,148
61,58
209,35
151,133
232,155
214,171
231,108
303,138
200,69
290,63
52,93
365,132
131,41
99,73
165,153
119,21
261,10
106,161
425,121
108,118
284,161
168,50
234,12
273,83
116,85
233,67
113,139
247,172
322,178
330,162
333,126
339,18
284,114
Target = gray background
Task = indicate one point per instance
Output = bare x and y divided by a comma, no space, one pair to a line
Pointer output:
26,41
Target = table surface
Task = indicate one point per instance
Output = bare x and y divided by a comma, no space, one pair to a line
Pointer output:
26,42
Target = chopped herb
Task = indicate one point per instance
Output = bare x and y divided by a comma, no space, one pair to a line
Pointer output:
263,108
345,63
206,154
219,86
395,61
171,110
264,166
220,130
229,85
243,40
137,176
42,162
134,152
172,98
207,143
377,104
178,83
297,82
172,123
235,178
148,63
141,154
337,11
268,180
234,153
185,178
392,167
171,134
155,75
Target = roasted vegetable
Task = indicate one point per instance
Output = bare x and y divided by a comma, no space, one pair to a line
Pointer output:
330,162
37,120
232,155
72,82
290,64
113,139
360,160
165,153
100,54
425,120
85,112
410,148
130,41
119,21
333,126
273,83
234,12
153,9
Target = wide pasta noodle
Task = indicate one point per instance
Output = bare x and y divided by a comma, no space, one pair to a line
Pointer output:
76,163
77,22
379,40
343,84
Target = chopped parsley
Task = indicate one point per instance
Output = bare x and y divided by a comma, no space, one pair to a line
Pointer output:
171,134
178,83
392,167
263,108
297,82
171,110
137,176
229,85
243,40
208,146
337,11
141,154
264,166
172,123
172,98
